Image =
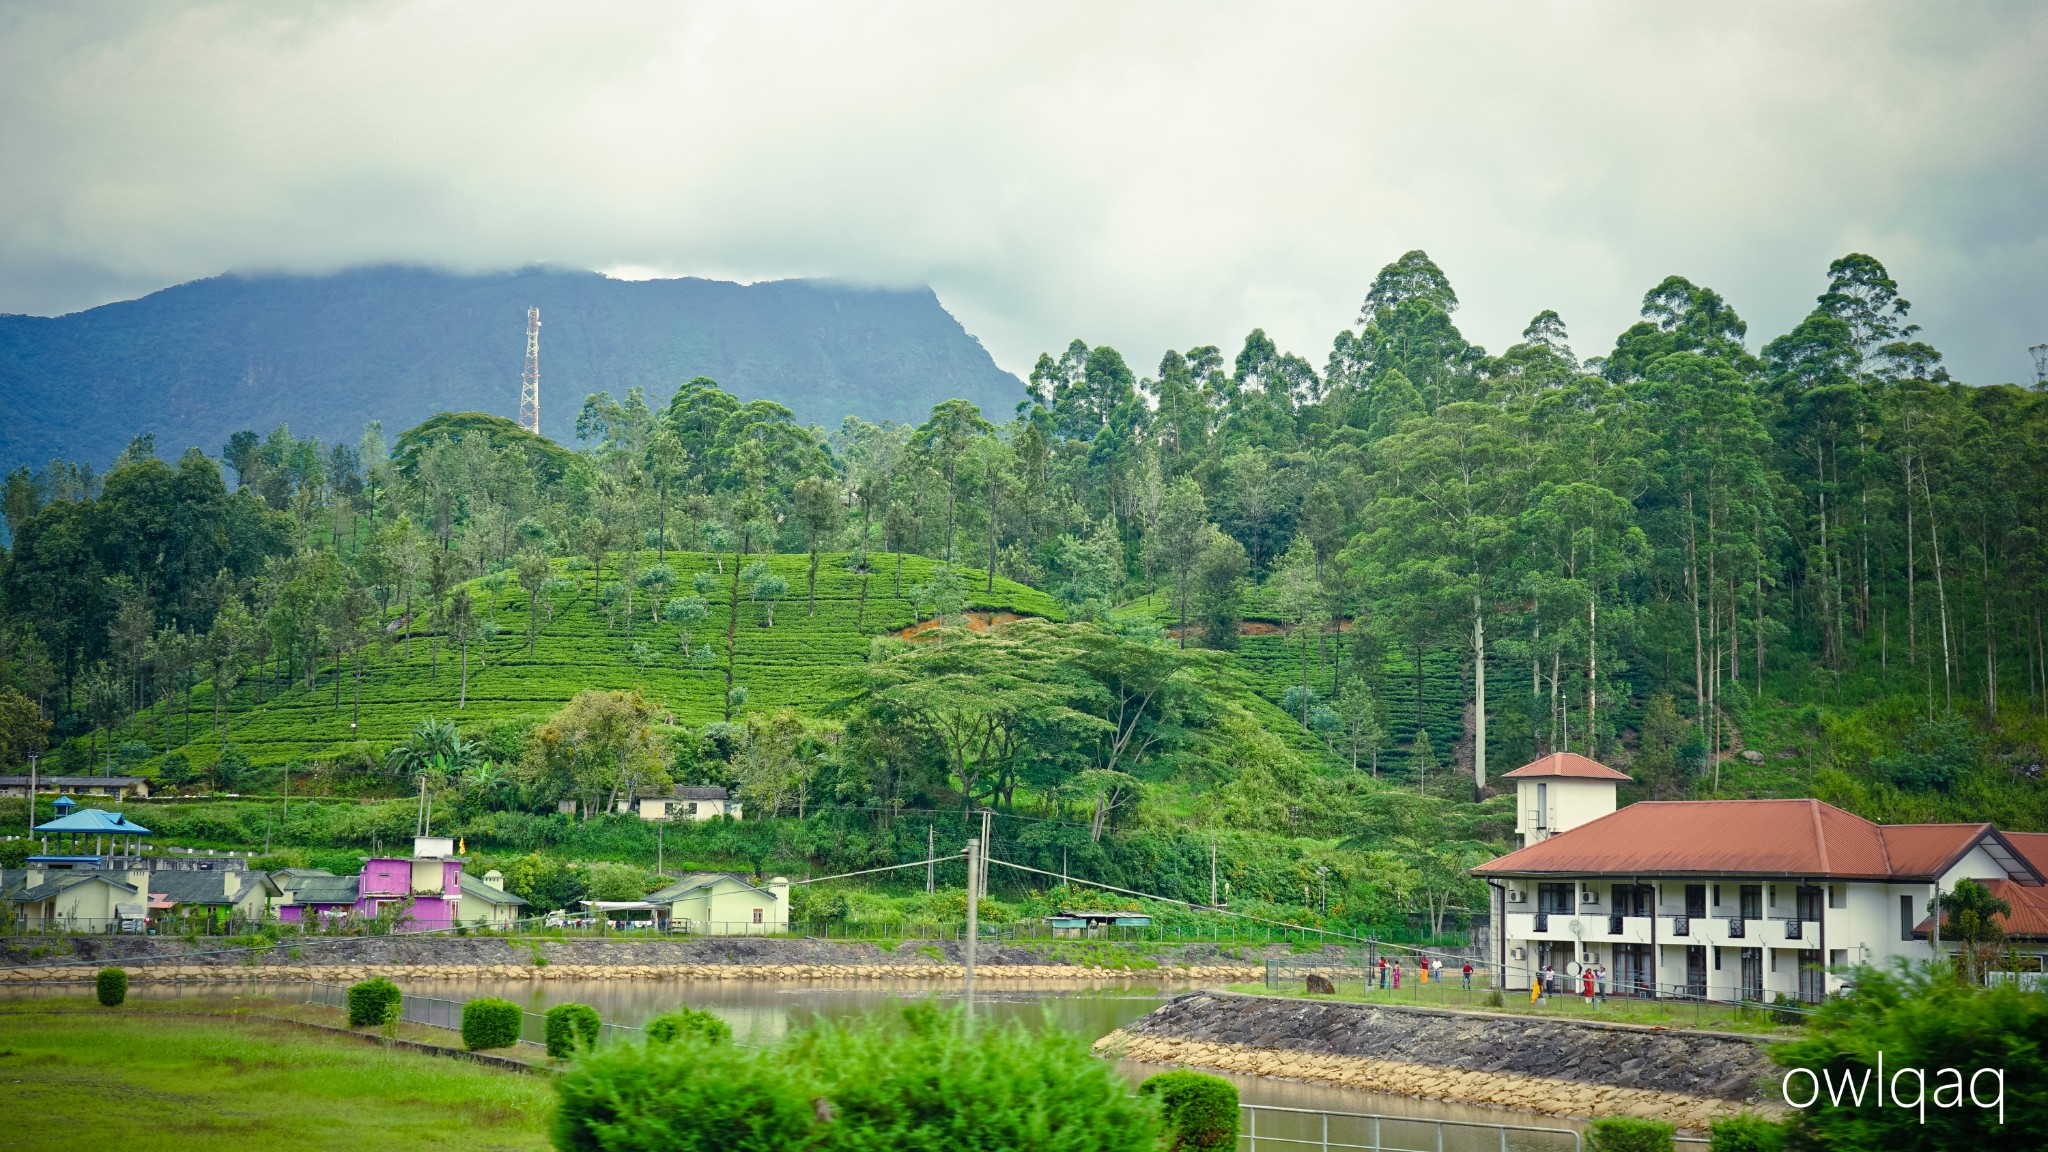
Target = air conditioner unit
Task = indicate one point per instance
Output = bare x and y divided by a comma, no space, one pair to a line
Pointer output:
1592,896
1519,954
1517,894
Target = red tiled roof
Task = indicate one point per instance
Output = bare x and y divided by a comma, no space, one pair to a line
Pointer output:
1566,764
2029,919
1744,837
2032,845
1928,849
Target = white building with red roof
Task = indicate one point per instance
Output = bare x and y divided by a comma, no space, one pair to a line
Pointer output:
1732,899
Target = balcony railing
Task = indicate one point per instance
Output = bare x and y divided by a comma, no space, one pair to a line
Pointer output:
1792,930
1735,930
1681,925
1543,921
1614,925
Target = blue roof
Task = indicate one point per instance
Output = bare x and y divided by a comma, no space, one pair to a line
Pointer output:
94,820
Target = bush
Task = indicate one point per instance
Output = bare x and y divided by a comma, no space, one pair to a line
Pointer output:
1199,1111
1628,1134
1786,1010
490,1023
1922,1018
571,1027
690,1023
373,1003
14,853
112,987
1746,1133
917,1082
629,1098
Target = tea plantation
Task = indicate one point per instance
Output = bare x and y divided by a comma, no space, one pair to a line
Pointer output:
581,645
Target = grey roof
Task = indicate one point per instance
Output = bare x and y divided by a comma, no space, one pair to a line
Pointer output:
699,880
471,886
208,887
327,890
689,792
61,782
65,883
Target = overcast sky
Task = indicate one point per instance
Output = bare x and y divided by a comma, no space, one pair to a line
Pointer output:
1144,175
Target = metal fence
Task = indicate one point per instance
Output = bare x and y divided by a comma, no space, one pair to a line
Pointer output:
1266,1128
1355,974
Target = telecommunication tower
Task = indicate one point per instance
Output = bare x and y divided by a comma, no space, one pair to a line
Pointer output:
2040,352
529,384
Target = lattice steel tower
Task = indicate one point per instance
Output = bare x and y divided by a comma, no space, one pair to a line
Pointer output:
529,384
2040,352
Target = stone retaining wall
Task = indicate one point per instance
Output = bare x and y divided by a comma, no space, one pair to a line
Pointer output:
1560,1067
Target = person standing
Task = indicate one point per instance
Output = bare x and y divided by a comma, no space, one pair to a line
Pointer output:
1586,974
1468,975
1397,975
1383,973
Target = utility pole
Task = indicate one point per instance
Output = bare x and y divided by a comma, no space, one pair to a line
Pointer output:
931,861
981,877
33,761
1212,865
973,921
660,827
529,384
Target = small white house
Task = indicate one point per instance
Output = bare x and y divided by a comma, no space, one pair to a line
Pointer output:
485,901
1728,899
723,904
688,802
1562,790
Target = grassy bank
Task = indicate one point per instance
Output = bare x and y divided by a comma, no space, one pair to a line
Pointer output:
139,1079
1612,1010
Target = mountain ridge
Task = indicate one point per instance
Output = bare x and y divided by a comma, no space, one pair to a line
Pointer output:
325,354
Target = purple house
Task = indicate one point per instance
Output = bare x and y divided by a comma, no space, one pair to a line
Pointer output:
431,878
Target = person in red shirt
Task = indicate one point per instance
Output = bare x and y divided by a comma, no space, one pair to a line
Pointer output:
1588,977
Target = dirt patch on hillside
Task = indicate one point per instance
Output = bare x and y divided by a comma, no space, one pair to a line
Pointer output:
973,621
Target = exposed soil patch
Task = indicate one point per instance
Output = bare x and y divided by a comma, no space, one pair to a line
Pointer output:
973,621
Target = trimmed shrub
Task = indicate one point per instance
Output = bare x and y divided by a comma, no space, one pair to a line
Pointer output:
571,1027
489,1022
1786,1010
916,1082
373,1003
1628,1134
1746,1133
1199,1111
690,1023
112,987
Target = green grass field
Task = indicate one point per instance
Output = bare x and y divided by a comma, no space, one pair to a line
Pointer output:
83,1077
580,646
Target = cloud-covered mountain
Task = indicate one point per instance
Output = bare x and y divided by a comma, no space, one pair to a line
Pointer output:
326,354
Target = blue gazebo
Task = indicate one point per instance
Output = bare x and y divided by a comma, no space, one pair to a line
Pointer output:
109,830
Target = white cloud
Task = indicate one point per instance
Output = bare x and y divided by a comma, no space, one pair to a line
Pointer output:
1147,175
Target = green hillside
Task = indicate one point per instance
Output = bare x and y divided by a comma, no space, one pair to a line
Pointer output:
578,647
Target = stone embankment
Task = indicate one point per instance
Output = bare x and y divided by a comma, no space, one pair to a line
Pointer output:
1559,1067
343,959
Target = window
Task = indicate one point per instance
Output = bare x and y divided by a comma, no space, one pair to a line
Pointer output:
1717,959
757,915
1905,917
1542,806
1838,896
